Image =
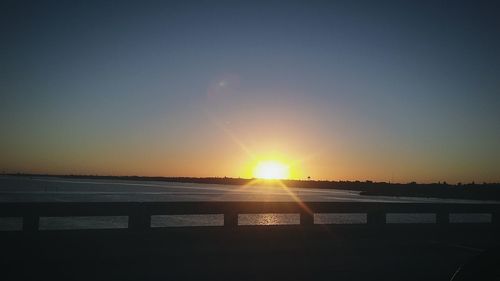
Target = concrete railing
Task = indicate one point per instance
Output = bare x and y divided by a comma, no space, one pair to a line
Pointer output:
139,214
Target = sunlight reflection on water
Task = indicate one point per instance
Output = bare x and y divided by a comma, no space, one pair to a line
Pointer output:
268,219
104,222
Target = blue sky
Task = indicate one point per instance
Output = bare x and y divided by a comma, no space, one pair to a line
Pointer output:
386,90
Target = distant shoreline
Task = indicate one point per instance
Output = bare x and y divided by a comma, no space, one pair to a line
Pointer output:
485,191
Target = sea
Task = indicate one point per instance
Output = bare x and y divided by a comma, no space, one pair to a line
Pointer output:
54,189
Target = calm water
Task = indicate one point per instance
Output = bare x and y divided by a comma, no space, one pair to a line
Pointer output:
19,189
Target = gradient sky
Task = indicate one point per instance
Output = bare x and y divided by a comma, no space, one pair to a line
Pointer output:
387,91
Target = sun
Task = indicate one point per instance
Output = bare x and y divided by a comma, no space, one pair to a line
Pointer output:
271,170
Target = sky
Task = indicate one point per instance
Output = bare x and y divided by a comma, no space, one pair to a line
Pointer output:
393,91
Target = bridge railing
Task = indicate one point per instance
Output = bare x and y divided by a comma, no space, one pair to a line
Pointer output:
139,213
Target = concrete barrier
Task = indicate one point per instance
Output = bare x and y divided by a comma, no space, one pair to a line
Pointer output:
139,213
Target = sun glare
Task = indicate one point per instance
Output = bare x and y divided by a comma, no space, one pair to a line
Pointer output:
271,170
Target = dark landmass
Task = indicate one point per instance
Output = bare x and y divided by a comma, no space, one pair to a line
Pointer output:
468,191
483,191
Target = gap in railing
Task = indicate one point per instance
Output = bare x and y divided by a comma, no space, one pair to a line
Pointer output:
269,219
11,224
470,218
83,222
394,218
340,218
187,220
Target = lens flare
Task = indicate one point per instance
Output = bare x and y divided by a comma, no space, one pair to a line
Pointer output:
271,170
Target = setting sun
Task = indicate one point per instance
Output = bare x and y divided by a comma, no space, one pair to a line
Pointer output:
271,170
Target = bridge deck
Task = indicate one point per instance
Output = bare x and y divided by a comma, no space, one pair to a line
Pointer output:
243,253
308,251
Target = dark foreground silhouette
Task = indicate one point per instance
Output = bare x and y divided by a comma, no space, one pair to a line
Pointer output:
243,253
375,250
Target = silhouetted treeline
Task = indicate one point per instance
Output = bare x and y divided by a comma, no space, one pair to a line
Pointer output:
483,191
486,191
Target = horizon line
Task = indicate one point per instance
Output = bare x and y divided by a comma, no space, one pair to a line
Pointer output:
248,179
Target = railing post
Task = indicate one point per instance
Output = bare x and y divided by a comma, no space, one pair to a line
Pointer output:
31,223
139,221
230,219
306,219
495,219
375,218
442,218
